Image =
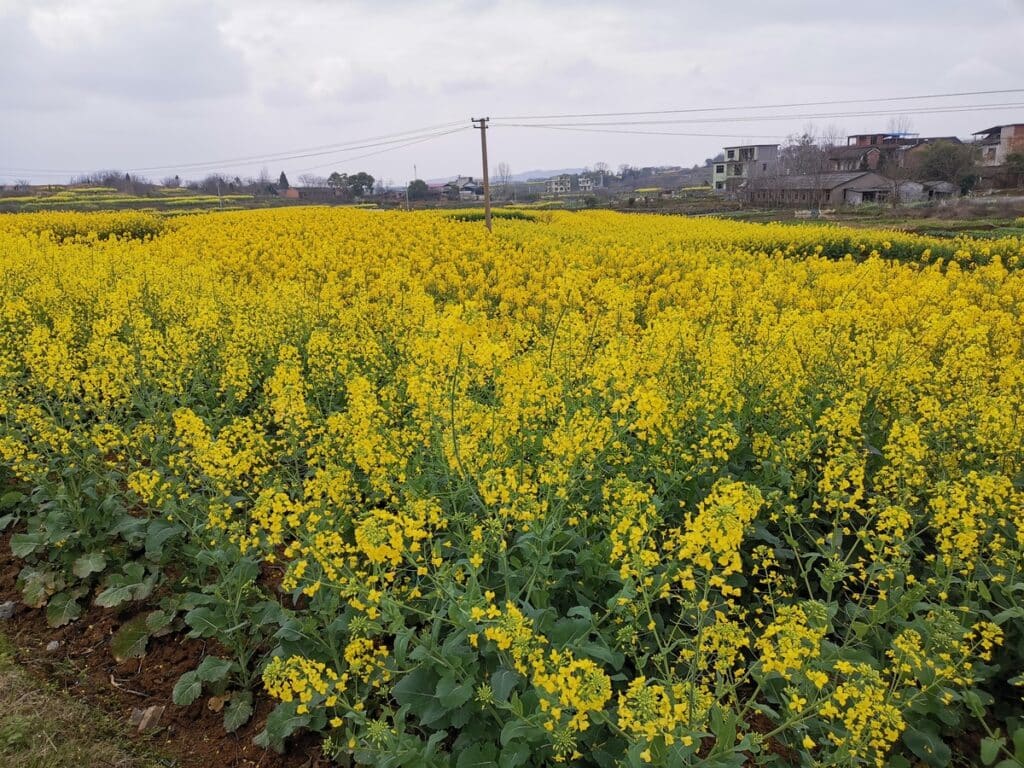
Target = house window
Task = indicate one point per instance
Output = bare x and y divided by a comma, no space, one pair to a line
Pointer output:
719,185
764,166
719,169
731,154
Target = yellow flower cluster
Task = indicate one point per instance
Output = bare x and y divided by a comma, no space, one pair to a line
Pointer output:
710,451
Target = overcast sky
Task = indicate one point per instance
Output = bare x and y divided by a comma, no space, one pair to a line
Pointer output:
135,84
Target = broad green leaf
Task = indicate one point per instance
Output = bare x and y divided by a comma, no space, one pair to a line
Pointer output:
159,620
238,711
990,747
129,642
37,586
205,622
281,723
503,682
24,544
11,499
213,669
453,694
112,596
1002,617
514,755
86,565
187,689
158,534
515,729
477,756
62,609
927,746
416,689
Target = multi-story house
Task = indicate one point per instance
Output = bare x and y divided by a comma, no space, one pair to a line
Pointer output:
588,182
743,163
559,185
999,141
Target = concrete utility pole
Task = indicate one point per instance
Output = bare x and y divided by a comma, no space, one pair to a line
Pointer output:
482,127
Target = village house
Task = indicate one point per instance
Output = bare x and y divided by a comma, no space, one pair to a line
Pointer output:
879,151
588,182
744,163
819,189
559,185
464,188
999,141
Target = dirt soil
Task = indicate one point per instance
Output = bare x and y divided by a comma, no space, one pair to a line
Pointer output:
192,736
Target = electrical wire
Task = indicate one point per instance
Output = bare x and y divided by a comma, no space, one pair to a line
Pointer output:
764,106
321,150
801,116
641,133
382,151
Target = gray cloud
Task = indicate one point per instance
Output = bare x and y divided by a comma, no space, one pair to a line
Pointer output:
134,83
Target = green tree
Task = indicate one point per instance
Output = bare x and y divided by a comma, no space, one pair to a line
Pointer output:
418,189
946,161
360,183
282,182
337,180
1015,167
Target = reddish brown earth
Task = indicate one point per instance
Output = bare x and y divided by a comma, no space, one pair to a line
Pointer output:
193,736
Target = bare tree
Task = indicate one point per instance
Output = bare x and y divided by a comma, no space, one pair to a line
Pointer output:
312,180
807,154
602,167
502,174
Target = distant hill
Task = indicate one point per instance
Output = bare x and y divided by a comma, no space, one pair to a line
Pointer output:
543,174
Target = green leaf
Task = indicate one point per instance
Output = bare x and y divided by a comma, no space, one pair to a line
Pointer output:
24,544
159,533
213,669
281,723
159,620
62,609
238,711
514,729
1010,613
205,622
187,689
112,596
503,682
37,586
89,564
453,694
416,689
990,747
477,756
514,755
11,499
927,746
129,642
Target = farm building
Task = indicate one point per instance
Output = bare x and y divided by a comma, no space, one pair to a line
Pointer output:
812,189
878,151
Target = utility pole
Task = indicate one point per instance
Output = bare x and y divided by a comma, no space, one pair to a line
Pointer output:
482,127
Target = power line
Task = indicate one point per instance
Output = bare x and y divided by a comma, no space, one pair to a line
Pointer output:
764,106
798,116
327,149
389,149
569,127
